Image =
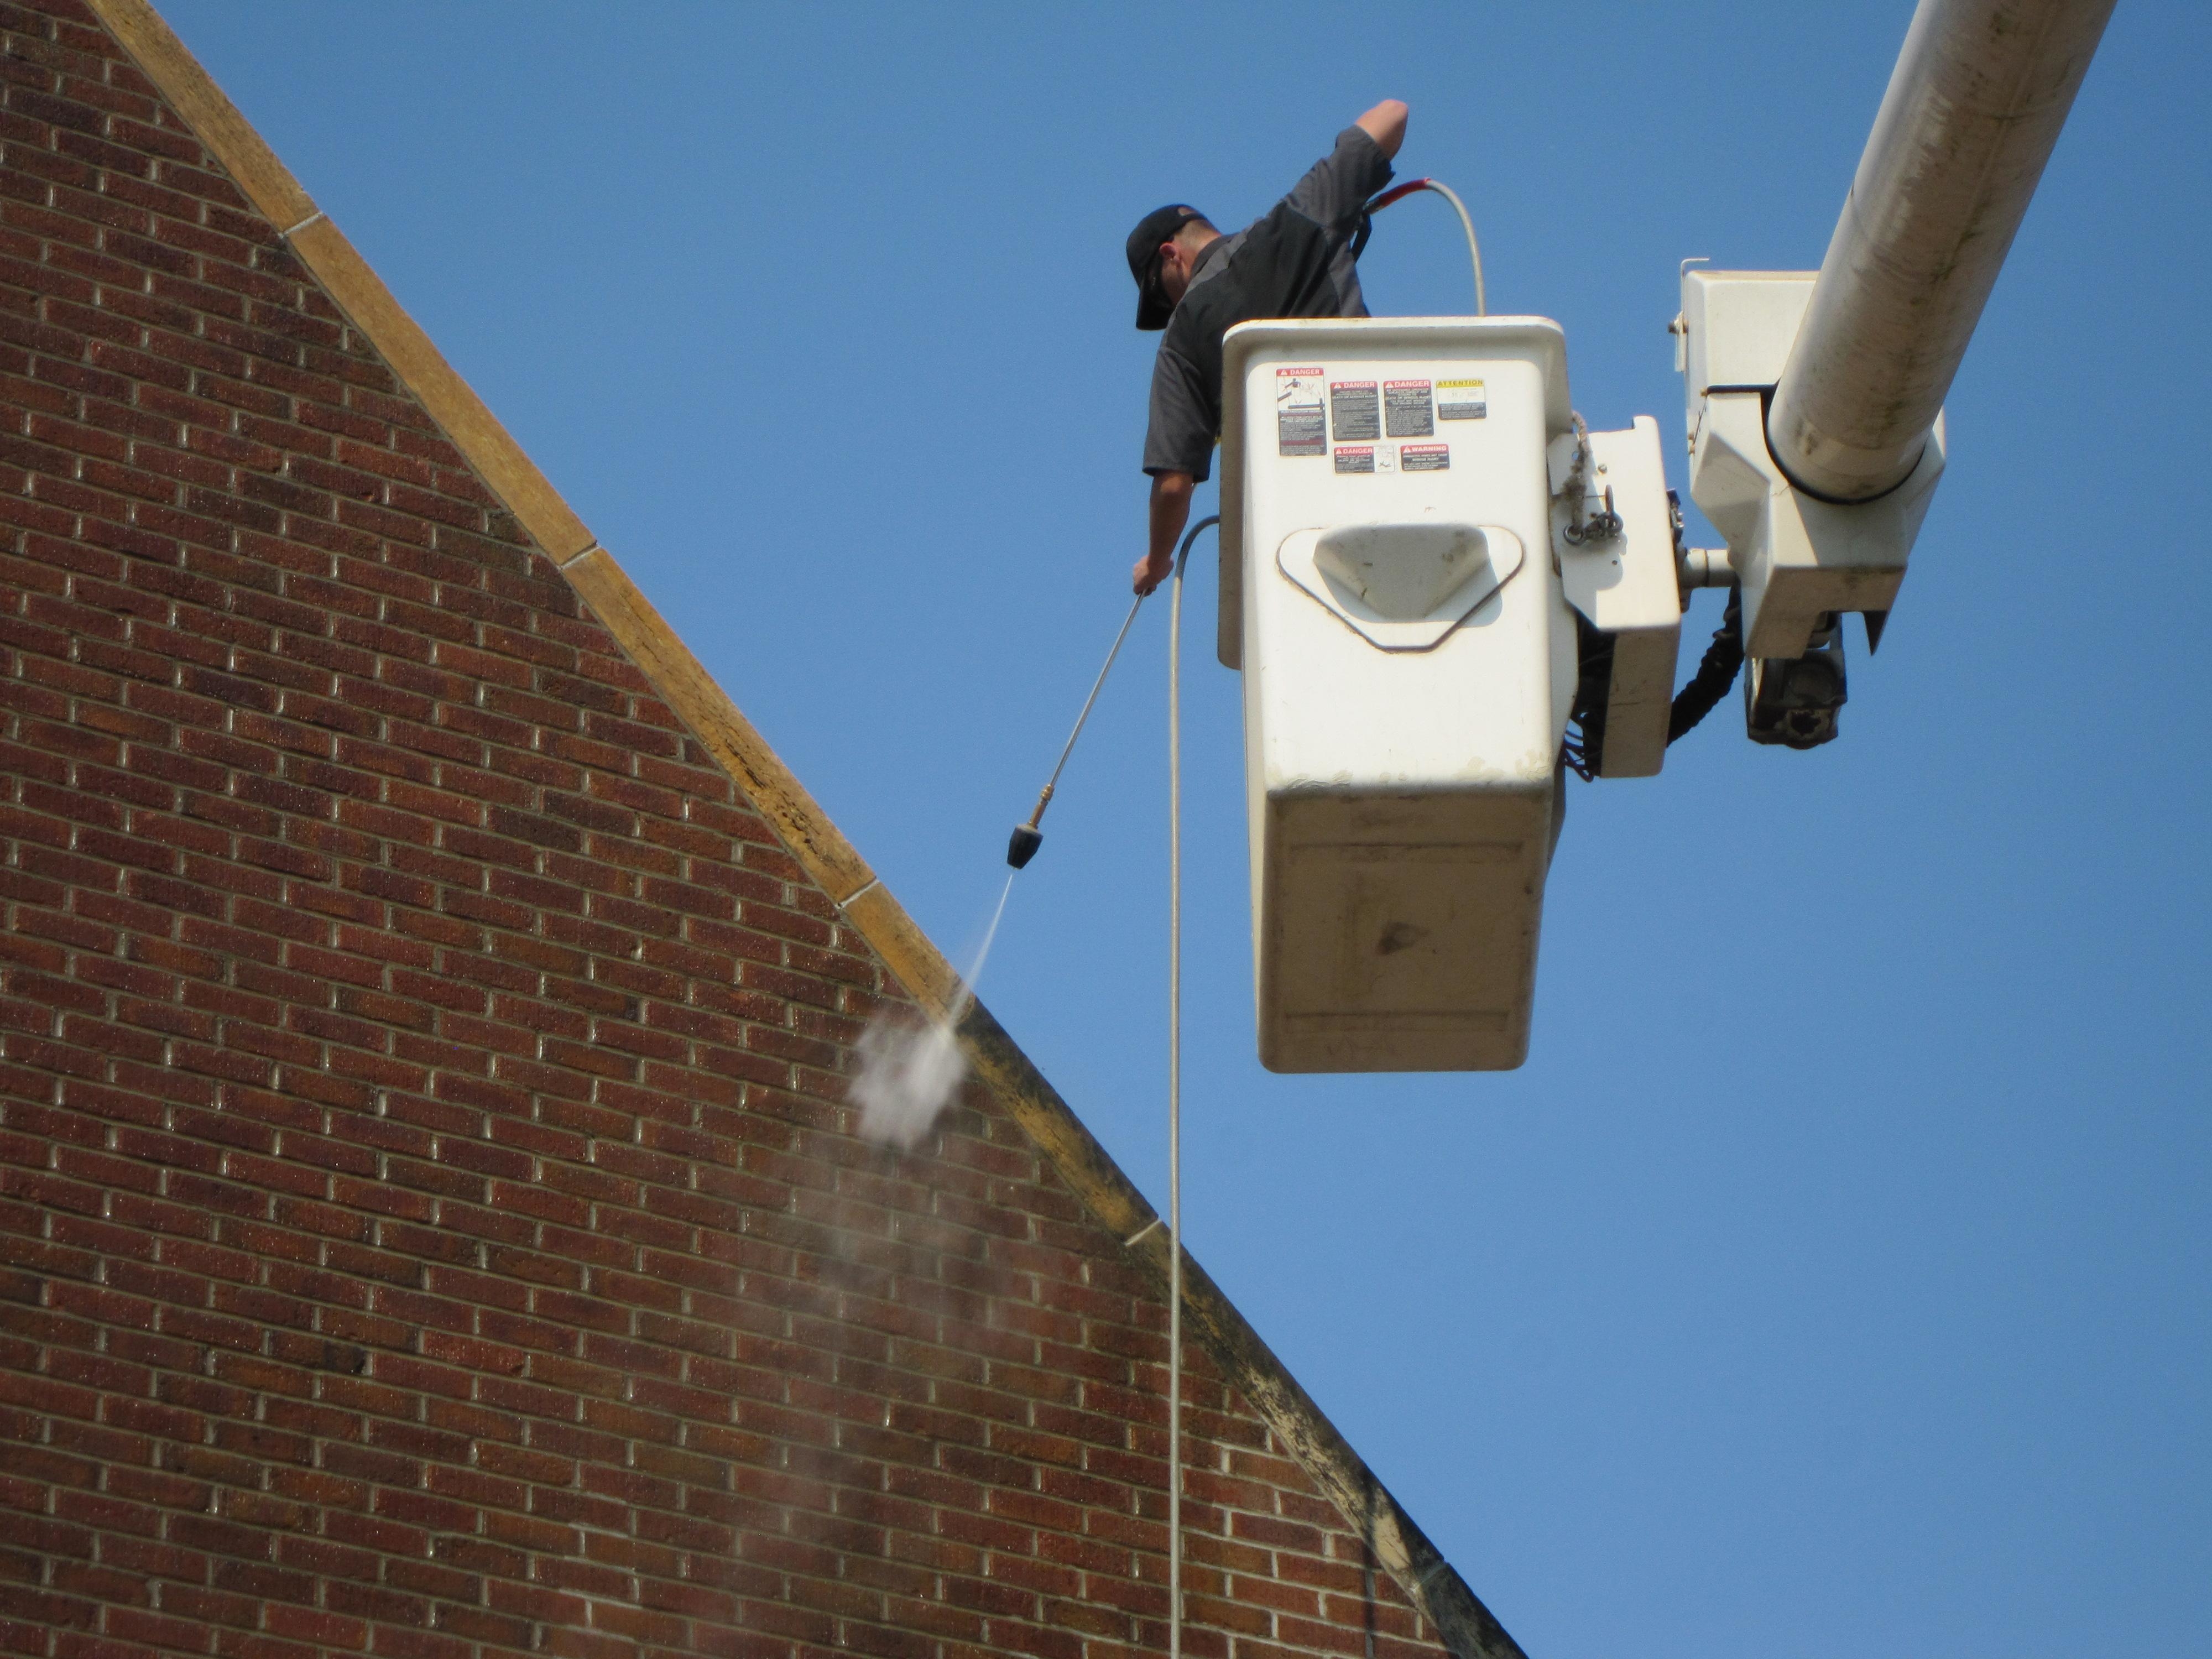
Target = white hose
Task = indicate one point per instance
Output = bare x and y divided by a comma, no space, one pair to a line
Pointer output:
1466,224
1175,1094
1474,250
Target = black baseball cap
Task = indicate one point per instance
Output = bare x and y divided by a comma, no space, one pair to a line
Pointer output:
1153,307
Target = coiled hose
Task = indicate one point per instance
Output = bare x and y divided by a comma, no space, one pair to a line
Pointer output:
1717,672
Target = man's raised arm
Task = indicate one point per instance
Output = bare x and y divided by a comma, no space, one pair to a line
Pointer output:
1385,124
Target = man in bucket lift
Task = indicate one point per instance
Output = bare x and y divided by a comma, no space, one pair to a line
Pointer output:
1197,284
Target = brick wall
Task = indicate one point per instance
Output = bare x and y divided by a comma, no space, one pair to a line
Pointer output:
430,1224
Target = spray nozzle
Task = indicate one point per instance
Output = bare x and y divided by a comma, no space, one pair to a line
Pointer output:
1023,845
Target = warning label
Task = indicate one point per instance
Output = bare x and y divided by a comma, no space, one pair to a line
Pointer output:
1354,409
1424,457
1301,422
1405,409
1461,400
1355,460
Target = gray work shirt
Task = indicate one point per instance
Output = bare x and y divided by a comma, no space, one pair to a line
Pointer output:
1296,262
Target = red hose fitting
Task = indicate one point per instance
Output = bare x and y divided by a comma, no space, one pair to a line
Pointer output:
1396,193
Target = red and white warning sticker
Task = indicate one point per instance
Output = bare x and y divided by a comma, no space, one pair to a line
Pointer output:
1424,457
1354,409
1407,410
1301,418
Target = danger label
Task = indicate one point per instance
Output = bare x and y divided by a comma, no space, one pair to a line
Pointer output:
1424,457
1462,400
1301,422
1354,409
1355,460
1405,409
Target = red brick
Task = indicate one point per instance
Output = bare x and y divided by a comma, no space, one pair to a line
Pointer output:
428,1223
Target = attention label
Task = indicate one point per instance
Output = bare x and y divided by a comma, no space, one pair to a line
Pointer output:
1355,460
1354,409
1462,400
1301,422
1424,457
1405,409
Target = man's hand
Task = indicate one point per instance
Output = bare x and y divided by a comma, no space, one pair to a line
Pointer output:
1152,570
1170,510
1385,124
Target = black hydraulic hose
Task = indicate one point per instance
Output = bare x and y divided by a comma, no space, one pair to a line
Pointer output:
1717,672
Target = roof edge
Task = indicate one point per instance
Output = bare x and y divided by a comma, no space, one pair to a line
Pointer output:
1436,1588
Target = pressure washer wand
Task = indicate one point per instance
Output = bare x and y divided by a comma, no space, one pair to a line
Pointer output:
1028,837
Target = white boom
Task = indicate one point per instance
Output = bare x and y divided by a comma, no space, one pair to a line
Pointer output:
1974,106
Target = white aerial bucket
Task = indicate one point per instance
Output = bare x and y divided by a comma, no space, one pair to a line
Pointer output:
1409,664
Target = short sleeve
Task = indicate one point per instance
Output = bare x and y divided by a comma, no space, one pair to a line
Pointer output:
1338,185
1180,435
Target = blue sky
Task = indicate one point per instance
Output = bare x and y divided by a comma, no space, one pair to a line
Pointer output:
1833,1278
